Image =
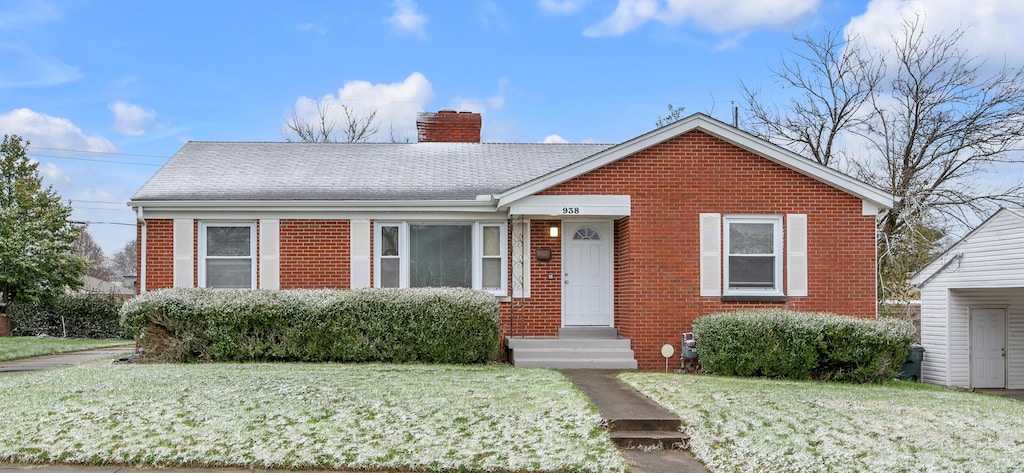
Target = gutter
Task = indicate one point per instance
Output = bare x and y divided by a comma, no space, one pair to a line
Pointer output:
142,249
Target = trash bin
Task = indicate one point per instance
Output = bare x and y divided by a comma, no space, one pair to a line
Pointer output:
912,365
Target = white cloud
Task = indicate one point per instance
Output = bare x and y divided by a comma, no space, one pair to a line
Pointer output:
554,139
493,103
53,173
131,119
717,17
560,7
51,132
396,104
311,27
23,66
992,27
407,19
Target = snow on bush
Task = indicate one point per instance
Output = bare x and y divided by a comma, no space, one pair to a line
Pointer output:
440,325
802,345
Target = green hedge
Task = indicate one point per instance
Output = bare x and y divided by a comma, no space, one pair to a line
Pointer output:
435,325
799,345
71,316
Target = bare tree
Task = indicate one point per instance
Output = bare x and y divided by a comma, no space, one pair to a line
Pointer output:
934,122
674,114
834,80
87,248
356,127
124,260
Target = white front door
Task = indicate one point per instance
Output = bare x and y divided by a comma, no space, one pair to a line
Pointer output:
587,273
988,348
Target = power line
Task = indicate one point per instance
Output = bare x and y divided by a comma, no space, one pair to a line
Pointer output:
91,160
95,201
105,223
101,152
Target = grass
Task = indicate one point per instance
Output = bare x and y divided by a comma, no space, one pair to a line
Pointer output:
304,416
13,348
747,424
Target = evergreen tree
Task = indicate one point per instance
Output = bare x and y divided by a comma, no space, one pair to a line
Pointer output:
38,261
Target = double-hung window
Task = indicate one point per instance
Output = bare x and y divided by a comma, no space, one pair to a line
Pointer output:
227,255
753,255
441,254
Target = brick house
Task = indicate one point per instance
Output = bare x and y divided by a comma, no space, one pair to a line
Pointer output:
599,254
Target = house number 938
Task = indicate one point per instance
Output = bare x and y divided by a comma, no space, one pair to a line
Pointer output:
570,210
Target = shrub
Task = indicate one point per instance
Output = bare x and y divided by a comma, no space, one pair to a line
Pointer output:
437,325
72,316
798,345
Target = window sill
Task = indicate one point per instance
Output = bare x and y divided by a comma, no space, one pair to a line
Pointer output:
753,298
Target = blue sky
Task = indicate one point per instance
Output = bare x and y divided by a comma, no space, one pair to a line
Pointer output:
107,90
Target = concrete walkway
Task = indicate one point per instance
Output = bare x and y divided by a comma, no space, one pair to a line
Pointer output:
1017,394
625,409
61,360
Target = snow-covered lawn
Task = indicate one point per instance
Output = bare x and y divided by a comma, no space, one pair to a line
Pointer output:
743,424
12,348
302,416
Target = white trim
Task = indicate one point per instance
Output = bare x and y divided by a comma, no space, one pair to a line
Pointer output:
776,221
715,128
183,235
142,246
572,205
270,254
317,205
476,276
359,253
202,248
323,214
502,257
710,255
796,255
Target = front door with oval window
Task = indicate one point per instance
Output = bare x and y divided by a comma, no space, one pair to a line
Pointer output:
587,274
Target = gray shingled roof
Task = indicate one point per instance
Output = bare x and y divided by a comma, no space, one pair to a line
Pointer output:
354,171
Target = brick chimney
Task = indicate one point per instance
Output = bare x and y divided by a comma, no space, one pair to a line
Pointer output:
448,126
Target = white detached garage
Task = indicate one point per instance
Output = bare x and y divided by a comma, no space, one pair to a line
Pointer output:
972,308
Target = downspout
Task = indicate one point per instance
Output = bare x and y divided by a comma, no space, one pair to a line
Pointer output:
142,250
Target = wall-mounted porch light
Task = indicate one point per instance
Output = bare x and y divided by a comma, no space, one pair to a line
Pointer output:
553,231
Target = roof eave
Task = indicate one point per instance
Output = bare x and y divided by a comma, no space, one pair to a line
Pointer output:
317,205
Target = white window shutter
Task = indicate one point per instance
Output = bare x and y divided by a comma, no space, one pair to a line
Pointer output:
710,254
521,259
270,254
359,249
796,255
184,267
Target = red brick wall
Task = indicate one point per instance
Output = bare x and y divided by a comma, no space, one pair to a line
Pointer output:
315,254
448,126
657,293
541,315
159,253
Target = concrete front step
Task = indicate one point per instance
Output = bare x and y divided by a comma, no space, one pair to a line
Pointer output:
650,439
588,332
637,424
555,342
571,353
573,363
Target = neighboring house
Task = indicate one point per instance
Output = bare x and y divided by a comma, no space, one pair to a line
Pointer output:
634,240
98,287
972,308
